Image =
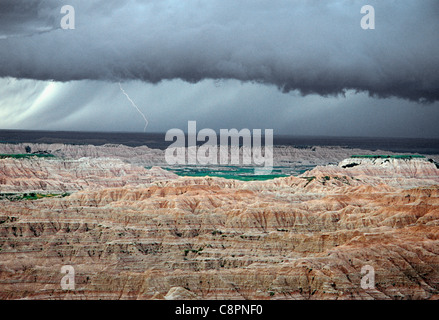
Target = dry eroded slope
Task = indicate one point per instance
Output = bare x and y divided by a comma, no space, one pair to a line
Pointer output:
289,238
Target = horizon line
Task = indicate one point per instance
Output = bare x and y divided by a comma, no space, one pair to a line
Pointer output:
275,135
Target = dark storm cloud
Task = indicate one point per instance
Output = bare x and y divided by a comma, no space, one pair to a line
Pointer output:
18,18
310,46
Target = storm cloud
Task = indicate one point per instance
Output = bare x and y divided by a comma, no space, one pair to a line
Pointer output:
314,47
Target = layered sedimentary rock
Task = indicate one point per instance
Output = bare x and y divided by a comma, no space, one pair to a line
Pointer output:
405,173
142,155
163,237
43,175
419,168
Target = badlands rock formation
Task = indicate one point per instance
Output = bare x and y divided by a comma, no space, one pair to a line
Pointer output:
144,156
47,175
395,172
132,233
140,155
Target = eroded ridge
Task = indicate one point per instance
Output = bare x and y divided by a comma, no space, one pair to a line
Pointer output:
141,234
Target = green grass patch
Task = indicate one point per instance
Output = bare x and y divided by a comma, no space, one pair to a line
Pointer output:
26,156
309,179
30,196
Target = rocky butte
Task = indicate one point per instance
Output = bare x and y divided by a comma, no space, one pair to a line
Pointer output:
136,233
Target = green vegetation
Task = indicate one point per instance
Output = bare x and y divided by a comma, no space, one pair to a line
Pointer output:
309,180
368,156
29,196
343,179
186,251
26,156
324,179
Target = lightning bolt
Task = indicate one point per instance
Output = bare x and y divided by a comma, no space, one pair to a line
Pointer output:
135,106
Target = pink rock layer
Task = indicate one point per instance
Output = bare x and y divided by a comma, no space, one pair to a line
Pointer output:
139,234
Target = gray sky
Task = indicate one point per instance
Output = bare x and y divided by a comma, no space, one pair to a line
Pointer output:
298,67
